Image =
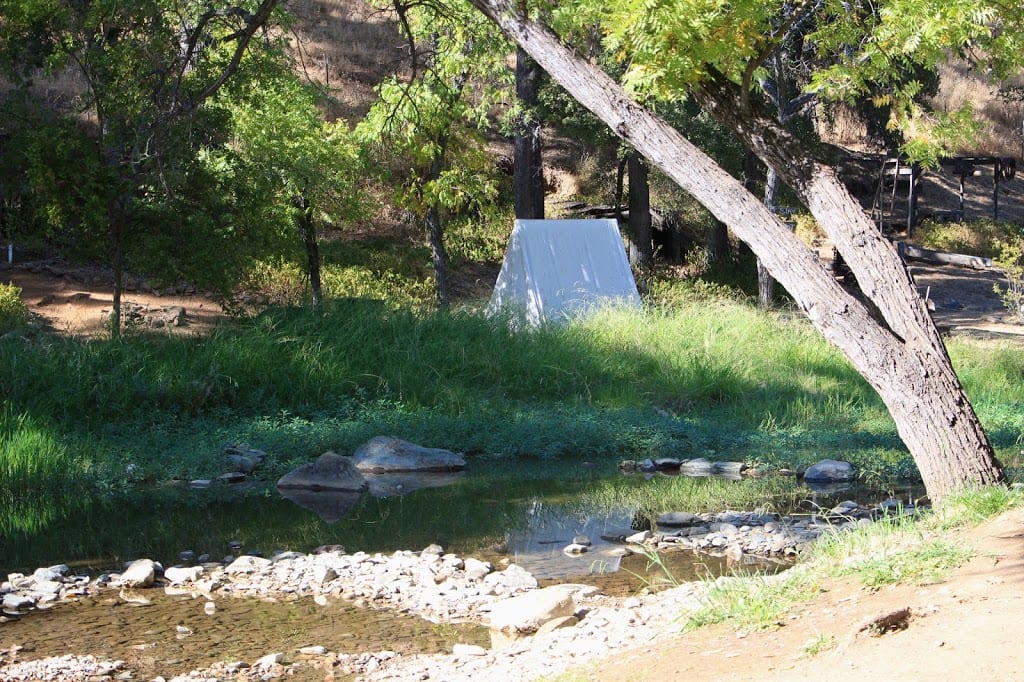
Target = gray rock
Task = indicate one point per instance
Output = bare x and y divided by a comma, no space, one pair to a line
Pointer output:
389,454
697,467
476,569
176,575
17,602
47,575
240,463
639,538
829,471
728,468
248,564
678,519
330,471
243,450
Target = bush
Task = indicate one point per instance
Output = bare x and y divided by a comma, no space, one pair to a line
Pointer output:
1010,258
13,311
977,238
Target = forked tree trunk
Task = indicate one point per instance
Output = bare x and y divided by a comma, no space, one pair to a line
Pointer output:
902,357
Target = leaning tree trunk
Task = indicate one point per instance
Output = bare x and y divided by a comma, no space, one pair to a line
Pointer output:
528,168
902,357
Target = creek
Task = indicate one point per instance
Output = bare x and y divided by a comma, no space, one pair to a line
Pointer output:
506,513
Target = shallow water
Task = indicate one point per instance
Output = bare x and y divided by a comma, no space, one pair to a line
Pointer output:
511,514
175,635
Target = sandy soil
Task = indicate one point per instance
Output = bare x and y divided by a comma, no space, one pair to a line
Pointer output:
963,628
77,300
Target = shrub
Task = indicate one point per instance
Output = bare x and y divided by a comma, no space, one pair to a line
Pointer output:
1010,258
978,237
13,311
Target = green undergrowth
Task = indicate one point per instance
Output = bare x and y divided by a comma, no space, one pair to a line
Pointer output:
709,377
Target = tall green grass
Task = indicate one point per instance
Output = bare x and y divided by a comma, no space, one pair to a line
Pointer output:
708,377
35,467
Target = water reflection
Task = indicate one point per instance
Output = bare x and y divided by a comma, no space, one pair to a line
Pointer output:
530,511
402,483
330,505
538,544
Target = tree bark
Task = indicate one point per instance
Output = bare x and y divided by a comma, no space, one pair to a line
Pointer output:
765,281
528,167
640,209
903,358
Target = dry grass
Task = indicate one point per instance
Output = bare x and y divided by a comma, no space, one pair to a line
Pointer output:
348,47
960,84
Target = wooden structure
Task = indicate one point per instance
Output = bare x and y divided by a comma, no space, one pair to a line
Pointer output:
898,188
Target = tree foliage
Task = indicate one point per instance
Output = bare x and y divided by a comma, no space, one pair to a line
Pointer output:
127,150
876,51
433,117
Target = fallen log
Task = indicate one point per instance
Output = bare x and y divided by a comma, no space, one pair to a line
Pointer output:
911,252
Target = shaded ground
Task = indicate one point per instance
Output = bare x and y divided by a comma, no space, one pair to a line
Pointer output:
965,627
77,300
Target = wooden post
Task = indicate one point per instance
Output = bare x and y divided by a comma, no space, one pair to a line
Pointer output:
996,172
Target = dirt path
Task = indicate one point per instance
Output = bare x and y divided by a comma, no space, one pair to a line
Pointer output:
78,300
966,627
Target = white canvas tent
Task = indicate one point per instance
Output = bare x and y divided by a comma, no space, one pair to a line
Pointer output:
557,269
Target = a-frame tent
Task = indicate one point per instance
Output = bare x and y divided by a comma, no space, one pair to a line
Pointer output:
555,270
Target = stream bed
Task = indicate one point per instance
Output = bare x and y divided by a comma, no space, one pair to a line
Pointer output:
506,517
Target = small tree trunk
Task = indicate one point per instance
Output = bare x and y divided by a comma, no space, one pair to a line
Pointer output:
765,281
435,232
718,241
528,167
640,209
118,234
307,230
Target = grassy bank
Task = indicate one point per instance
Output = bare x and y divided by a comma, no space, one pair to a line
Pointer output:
713,378
89,426
899,550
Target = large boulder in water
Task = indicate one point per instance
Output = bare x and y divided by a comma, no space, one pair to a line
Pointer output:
387,454
330,471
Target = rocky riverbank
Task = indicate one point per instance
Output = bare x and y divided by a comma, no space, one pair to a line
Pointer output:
532,639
